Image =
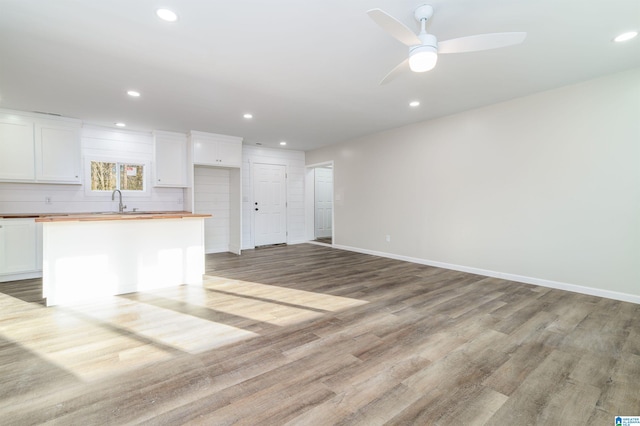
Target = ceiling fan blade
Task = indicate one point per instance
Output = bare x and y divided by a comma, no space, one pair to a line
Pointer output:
400,68
395,28
478,42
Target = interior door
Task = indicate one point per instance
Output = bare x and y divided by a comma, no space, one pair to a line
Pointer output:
323,201
270,206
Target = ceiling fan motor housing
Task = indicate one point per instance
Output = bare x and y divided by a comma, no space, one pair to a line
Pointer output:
427,40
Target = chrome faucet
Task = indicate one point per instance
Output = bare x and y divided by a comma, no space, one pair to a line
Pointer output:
121,206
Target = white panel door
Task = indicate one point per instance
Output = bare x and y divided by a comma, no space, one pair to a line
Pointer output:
323,201
270,206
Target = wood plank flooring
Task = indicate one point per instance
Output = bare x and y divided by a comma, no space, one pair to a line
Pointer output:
311,335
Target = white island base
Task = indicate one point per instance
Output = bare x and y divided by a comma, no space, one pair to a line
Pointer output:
86,260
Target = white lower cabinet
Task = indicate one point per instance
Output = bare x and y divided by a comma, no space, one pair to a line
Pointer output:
19,249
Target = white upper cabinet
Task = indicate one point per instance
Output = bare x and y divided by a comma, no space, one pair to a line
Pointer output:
16,148
170,159
57,151
211,149
34,149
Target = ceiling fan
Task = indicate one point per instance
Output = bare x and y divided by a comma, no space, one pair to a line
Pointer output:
424,47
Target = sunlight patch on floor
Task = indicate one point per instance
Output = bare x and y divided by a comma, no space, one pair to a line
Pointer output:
166,326
53,334
269,303
279,294
116,334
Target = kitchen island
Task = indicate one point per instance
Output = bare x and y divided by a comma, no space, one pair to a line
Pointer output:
88,256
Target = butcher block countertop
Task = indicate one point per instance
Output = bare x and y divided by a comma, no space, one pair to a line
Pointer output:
87,217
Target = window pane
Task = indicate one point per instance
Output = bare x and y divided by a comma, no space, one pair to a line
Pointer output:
132,177
103,176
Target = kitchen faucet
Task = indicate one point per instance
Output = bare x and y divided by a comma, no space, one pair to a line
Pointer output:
121,206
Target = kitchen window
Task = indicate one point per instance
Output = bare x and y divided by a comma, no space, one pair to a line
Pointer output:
107,176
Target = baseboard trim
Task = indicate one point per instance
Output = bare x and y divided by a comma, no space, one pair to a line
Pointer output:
608,294
20,276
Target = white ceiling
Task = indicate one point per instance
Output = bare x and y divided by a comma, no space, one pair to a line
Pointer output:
307,70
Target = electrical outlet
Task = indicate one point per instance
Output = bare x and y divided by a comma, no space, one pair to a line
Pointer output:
47,200
388,238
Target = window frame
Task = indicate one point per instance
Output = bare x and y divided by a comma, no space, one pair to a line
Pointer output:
146,170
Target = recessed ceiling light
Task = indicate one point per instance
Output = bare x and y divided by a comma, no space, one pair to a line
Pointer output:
247,116
414,103
626,36
283,143
167,15
133,93
121,125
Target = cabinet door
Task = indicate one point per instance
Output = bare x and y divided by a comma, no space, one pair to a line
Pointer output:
230,153
16,149
170,165
216,150
17,246
57,153
205,152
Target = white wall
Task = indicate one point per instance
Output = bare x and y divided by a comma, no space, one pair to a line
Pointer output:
211,194
542,189
98,142
295,167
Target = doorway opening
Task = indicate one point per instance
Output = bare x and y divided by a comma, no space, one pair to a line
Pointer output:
320,203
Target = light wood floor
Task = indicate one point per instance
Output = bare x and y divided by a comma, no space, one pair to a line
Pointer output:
310,335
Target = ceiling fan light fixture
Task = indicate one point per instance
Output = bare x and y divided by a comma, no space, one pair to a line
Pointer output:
423,58
625,36
167,15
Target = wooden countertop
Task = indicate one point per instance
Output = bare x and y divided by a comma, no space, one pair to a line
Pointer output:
87,217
